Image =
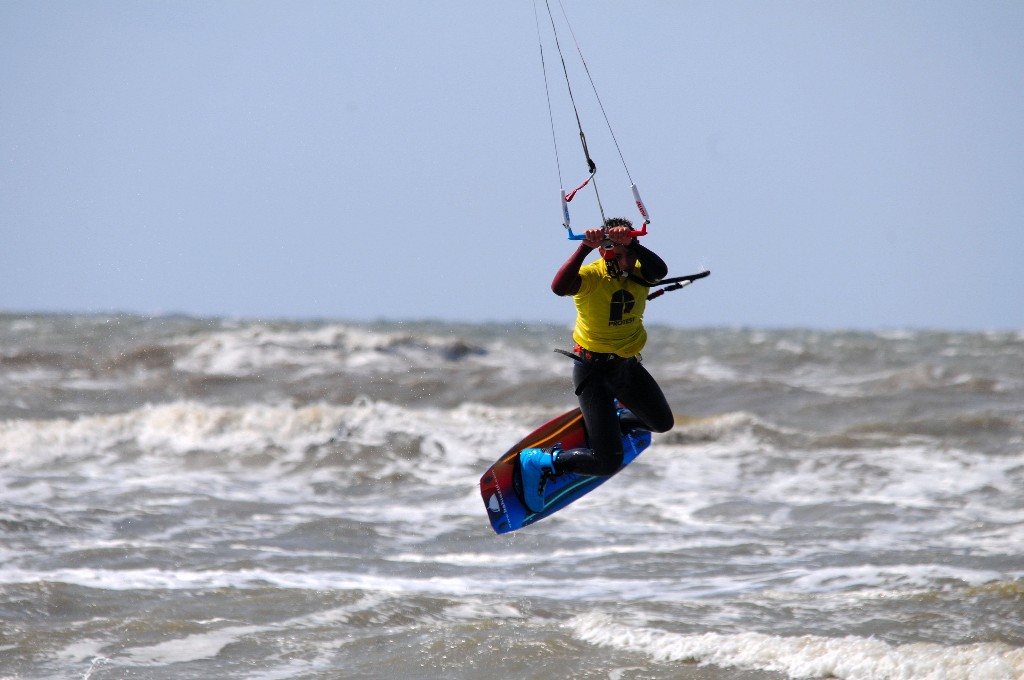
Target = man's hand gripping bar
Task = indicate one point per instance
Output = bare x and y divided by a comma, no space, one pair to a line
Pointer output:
580,237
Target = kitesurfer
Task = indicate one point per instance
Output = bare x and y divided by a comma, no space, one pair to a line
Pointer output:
610,296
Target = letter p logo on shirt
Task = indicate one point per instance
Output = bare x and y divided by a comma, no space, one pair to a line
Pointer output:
622,304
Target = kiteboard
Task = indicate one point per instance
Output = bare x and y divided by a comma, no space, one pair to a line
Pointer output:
501,485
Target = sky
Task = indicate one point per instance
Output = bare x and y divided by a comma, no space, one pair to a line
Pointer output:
836,165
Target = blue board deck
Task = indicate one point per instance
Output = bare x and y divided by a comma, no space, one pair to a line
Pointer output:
501,487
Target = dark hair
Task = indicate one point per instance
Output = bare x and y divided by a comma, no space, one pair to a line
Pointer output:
617,222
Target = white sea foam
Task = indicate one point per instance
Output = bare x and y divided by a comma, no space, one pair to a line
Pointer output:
210,643
186,427
246,579
808,656
710,428
371,585
703,368
511,558
189,648
241,351
334,347
475,609
918,475
849,588
903,578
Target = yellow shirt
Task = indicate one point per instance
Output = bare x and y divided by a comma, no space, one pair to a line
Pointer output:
610,312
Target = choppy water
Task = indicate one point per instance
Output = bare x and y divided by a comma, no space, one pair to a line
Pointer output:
196,498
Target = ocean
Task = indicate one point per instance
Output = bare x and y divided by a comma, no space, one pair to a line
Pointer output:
217,498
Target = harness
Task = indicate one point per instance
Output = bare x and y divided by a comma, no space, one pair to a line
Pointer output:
585,356
594,361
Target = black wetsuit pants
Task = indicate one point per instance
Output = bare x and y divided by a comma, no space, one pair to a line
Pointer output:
598,385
